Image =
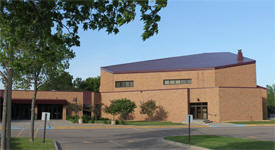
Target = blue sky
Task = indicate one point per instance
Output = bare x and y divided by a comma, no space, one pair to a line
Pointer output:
187,27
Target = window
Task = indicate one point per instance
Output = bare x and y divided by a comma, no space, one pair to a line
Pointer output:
177,81
119,84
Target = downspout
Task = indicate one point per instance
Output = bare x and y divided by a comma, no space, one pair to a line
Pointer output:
188,100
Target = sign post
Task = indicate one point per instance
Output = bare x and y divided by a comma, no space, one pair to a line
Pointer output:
189,119
45,124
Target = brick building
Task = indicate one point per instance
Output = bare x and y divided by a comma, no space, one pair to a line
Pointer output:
216,86
55,102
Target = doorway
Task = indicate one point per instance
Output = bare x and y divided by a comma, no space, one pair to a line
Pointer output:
55,110
199,110
21,112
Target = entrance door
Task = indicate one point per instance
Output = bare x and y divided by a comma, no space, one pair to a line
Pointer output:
21,112
54,109
199,110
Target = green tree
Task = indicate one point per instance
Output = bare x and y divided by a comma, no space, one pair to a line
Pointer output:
271,98
10,60
123,107
43,58
17,18
90,84
60,81
148,108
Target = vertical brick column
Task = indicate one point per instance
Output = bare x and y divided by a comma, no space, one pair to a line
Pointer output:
35,112
64,112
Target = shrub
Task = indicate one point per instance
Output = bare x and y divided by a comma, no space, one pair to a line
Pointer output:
123,107
73,119
87,119
148,108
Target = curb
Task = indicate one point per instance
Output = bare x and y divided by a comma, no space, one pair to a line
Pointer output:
57,145
187,146
260,125
124,127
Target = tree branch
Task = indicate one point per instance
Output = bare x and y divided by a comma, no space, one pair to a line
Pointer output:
3,77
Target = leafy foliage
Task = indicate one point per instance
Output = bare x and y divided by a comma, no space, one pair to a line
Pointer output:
148,108
74,108
31,30
61,81
123,107
271,98
95,110
89,84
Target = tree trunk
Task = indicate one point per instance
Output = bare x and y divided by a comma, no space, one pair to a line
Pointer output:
33,110
6,118
9,111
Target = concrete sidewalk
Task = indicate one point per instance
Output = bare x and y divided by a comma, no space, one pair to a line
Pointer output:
64,124
185,146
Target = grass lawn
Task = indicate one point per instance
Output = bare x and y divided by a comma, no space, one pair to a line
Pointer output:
224,143
24,143
145,123
255,122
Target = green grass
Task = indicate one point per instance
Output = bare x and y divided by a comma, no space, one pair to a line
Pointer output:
255,122
145,123
224,143
24,143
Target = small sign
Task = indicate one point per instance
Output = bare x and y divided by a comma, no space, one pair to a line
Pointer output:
44,115
189,117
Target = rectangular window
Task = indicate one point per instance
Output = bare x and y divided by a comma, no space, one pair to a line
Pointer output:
177,81
120,84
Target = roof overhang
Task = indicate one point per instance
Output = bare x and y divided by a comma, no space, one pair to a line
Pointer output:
40,101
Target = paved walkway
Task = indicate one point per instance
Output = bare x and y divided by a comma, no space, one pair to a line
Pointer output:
64,124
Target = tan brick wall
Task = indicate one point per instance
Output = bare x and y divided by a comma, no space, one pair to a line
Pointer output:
211,96
239,76
264,99
51,95
106,81
59,95
151,81
240,104
224,104
174,102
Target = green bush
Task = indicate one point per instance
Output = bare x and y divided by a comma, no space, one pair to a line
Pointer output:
73,119
123,107
148,108
87,119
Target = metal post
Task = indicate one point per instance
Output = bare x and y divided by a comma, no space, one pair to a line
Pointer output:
45,124
189,131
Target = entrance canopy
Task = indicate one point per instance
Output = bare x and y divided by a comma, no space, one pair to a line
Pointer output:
39,101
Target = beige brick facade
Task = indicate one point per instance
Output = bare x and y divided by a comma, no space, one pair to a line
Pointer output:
231,93
52,96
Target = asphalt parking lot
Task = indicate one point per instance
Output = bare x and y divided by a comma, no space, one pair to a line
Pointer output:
140,138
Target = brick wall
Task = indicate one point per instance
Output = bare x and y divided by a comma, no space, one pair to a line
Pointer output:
152,81
240,104
239,76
